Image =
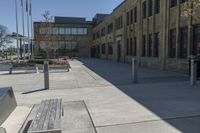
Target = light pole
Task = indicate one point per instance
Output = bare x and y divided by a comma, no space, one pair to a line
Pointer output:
27,13
17,31
23,41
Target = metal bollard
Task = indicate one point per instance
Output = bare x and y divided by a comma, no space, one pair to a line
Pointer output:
10,71
36,70
193,74
134,71
46,75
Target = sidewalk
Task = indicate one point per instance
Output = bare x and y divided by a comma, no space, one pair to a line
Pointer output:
163,102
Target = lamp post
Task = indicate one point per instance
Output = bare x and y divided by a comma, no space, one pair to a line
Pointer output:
23,41
17,31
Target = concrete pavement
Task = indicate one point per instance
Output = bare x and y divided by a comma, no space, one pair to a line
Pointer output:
162,102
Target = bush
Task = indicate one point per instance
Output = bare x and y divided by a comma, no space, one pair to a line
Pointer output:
51,62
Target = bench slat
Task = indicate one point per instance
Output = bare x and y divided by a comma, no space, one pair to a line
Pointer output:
49,113
53,113
43,117
58,114
36,121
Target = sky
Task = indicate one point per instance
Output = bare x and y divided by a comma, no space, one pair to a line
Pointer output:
68,8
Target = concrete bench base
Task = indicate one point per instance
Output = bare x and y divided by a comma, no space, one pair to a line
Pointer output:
7,103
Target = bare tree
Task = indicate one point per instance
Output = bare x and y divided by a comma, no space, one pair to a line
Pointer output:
191,8
5,40
3,35
46,38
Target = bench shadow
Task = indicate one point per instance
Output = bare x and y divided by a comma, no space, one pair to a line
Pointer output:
33,91
26,128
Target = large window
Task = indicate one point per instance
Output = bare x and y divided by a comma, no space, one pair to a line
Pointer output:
74,31
119,23
183,1
110,48
150,46
55,31
144,9
62,44
183,42
127,18
74,45
173,3
62,31
85,31
156,44
196,48
80,31
68,31
103,31
42,31
131,46
98,34
131,18
135,14
103,48
150,7
68,45
157,6
110,28
71,45
127,47
144,45
172,44
135,47
94,36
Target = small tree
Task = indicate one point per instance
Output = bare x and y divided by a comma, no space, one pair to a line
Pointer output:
45,37
191,8
3,36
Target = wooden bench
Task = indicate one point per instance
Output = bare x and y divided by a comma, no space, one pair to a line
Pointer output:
7,103
23,66
48,117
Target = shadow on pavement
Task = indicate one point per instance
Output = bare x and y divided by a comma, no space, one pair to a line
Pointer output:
33,91
166,94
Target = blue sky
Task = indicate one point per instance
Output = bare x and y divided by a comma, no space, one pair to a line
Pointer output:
71,8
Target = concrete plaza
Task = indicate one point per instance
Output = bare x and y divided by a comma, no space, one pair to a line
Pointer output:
98,96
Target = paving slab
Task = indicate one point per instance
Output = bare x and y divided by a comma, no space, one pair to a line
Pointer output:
183,125
76,118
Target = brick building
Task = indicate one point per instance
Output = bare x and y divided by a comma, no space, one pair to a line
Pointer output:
153,31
